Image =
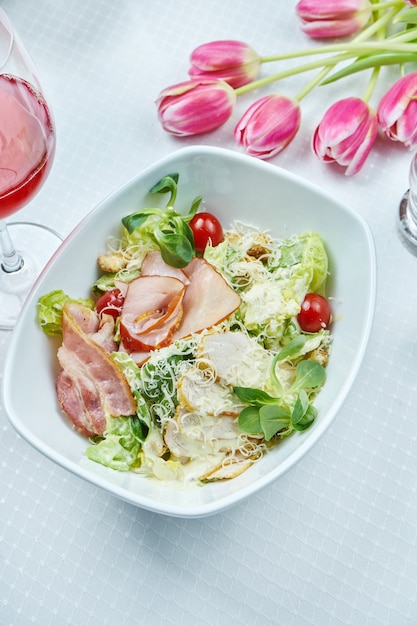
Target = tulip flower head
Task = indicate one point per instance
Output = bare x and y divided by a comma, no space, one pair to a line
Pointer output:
235,62
195,106
333,18
346,134
397,111
268,126
221,71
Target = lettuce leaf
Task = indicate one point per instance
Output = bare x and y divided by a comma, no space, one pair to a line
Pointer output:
49,311
121,445
308,254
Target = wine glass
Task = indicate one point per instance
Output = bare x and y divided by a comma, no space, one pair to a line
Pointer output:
27,148
407,217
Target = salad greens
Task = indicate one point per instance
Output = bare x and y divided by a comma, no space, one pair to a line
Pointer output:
153,386
166,227
218,413
49,311
121,445
290,409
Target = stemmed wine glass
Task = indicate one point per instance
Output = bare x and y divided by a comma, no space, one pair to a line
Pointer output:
27,148
407,217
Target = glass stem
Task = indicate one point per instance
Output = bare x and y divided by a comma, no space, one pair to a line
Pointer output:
11,260
412,194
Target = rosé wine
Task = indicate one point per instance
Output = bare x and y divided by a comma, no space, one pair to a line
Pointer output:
27,143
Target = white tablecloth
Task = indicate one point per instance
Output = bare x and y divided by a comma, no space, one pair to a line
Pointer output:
331,543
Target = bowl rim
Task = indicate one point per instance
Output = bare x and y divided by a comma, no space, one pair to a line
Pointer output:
138,499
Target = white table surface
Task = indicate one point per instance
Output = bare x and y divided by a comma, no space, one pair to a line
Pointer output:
333,542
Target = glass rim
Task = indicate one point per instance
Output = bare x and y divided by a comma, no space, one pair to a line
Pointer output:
7,45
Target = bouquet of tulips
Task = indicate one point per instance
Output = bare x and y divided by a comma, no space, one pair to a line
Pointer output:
370,34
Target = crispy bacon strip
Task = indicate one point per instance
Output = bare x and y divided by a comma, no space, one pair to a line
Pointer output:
90,386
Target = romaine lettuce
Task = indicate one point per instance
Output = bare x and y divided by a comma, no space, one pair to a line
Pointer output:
121,445
49,312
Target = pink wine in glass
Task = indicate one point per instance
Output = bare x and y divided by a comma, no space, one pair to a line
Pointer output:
27,147
27,143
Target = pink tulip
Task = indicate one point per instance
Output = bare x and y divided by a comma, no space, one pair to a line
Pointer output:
412,2
397,111
235,62
195,106
346,134
333,18
268,126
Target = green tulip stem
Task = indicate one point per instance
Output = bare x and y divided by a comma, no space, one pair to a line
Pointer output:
377,6
372,84
355,48
340,47
262,82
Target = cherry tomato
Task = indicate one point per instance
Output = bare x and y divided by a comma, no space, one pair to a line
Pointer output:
315,313
110,302
206,227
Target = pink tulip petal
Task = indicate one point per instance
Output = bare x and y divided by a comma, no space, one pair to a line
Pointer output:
346,134
268,126
342,119
362,149
227,53
397,111
332,28
235,77
362,153
195,107
407,123
394,102
323,9
235,62
333,18
346,149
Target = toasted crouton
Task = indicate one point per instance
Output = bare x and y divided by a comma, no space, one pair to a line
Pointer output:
112,262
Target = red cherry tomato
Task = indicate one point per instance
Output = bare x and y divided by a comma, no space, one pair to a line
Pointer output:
110,302
315,313
206,227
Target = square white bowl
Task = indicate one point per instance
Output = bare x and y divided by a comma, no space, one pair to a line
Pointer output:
233,186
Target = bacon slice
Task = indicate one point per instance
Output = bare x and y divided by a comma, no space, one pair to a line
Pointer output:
99,328
90,386
152,310
154,265
159,309
208,299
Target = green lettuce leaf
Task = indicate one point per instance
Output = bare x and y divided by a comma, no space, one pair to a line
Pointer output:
49,310
121,445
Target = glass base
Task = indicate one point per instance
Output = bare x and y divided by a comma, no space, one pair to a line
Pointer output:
36,244
407,225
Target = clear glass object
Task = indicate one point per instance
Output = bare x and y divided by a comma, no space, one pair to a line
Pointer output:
408,210
27,148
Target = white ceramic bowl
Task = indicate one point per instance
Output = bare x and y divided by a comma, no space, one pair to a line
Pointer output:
233,186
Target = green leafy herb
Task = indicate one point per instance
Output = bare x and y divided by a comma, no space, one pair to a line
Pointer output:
308,375
288,410
273,419
169,229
